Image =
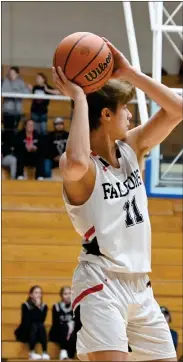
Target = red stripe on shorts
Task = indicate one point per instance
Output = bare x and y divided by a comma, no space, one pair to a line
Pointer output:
86,292
89,232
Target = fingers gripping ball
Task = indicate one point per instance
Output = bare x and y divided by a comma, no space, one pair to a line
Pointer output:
86,60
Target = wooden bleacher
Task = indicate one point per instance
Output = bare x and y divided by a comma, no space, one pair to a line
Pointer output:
40,246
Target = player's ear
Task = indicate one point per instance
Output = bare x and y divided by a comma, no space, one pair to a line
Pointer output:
106,114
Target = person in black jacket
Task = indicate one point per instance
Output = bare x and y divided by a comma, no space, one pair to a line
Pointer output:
39,108
168,318
29,151
55,144
8,159
31,329
62,330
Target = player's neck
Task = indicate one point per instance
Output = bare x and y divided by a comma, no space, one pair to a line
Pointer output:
103,146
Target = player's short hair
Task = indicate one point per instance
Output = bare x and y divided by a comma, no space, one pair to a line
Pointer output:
113,93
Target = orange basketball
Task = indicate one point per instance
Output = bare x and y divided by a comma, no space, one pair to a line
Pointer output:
85,59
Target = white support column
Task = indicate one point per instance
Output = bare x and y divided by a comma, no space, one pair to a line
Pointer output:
135,58
157,42
156,74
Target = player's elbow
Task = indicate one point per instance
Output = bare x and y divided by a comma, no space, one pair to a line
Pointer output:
178,110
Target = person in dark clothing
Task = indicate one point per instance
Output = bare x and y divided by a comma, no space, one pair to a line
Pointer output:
29,151
31,329
55,143
8,159
62,330
39,108
168,318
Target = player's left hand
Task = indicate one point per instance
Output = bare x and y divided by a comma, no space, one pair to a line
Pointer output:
122,67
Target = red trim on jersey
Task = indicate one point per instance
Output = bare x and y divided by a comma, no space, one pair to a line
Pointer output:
89,232
86,292
105,168
93,154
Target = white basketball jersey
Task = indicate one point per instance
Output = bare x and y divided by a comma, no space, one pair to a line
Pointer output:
114,222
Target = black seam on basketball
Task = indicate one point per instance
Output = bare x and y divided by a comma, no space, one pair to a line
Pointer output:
89,85
72,80
83,36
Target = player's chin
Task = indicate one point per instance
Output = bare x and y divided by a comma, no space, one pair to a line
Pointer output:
123,134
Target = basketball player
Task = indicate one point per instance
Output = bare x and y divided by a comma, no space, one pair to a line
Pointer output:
106,200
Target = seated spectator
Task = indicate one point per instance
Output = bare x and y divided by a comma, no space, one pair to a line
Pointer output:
8,159
12,107
62,330
39,108
168,318
29,151
31,329
55,143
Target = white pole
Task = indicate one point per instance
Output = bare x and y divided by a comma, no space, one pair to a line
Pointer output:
151,13
156,74
135,58
157,42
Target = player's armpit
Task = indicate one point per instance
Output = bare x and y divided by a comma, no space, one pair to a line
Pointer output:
79,186
72,171
143,138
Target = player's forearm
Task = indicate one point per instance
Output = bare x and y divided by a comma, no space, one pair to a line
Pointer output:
78,143
159,93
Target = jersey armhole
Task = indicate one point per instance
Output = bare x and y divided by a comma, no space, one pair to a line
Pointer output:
129,149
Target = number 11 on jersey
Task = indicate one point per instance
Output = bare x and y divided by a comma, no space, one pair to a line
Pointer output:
133,215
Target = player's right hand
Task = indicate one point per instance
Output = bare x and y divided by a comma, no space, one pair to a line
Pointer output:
64,85
122,67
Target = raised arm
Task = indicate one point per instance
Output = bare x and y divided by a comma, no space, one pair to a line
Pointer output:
145,137
160,125
74,162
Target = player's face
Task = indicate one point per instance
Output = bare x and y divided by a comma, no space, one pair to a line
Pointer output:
66,296
120,122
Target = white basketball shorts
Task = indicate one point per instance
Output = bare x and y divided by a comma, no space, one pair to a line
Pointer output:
116,311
